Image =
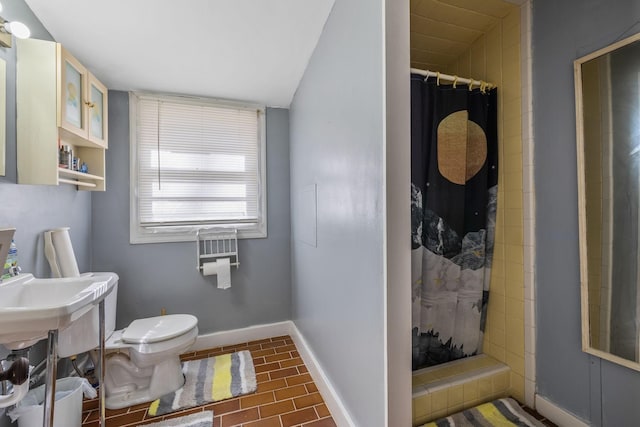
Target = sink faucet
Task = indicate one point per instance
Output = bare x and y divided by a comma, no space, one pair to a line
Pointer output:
14,270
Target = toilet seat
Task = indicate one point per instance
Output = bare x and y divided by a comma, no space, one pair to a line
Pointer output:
155,334
159,328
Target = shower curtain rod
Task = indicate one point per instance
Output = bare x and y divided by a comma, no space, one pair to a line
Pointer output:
451,78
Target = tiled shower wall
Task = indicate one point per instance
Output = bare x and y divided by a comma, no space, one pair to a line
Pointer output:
496,58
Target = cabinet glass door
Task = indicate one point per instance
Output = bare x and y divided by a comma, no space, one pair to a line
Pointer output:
97,111
73,98
73,86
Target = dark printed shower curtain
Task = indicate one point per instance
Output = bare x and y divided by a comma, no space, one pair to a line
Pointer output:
454,177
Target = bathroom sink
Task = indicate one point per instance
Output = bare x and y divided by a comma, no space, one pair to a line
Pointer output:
30,307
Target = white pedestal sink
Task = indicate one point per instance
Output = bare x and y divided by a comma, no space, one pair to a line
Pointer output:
30,307
34,309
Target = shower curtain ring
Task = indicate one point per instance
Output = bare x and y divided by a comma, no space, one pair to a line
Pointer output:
471,84
438,78
455,81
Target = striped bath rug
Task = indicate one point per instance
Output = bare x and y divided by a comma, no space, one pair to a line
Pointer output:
499,413
200,419
209,380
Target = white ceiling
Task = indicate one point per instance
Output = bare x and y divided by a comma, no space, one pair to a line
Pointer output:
247,50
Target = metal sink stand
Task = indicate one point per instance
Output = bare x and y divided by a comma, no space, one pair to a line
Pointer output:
52,372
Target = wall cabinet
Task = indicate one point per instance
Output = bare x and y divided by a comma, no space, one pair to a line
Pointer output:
59,103
83,101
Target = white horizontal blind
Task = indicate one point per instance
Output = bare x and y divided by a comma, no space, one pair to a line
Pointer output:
197,163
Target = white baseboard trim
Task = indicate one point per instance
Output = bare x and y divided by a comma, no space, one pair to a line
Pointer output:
556,414
336,407
237,336
252,333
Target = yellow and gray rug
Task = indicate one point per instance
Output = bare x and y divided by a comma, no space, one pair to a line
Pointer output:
209,380
499,413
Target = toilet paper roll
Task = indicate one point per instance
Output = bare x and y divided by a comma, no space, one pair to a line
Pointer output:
222,269
65,257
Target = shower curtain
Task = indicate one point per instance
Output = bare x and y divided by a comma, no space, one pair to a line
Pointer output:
454,177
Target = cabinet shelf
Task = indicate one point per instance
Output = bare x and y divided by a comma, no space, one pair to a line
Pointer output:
79,175
78,183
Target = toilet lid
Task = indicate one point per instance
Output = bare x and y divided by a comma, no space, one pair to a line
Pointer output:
160,328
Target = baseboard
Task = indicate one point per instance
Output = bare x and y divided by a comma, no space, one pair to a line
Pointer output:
556,414
336,407
252,333
236,336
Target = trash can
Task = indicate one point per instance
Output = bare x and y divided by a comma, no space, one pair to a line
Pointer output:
68,406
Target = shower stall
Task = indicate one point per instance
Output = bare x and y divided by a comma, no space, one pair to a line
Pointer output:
467,217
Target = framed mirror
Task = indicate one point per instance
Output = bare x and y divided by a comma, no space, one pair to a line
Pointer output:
607,85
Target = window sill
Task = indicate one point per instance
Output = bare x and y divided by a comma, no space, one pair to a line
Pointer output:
140,235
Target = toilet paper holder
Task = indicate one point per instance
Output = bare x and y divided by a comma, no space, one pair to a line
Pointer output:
215,243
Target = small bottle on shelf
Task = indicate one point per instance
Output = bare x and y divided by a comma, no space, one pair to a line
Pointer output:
63,158
69,151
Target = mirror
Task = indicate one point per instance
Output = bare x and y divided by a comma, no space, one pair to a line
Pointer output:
608,154
3,114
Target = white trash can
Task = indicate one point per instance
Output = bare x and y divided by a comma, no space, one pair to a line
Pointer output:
68,407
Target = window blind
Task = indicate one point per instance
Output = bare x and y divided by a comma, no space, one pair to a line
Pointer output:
197,163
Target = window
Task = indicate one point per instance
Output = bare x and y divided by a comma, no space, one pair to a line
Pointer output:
195,163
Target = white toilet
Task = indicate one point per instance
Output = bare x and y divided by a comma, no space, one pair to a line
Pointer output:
152,366
142,360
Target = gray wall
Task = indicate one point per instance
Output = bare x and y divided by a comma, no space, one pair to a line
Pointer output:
597,391
159,275
337,142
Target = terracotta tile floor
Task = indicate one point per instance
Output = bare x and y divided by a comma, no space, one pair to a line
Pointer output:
286,395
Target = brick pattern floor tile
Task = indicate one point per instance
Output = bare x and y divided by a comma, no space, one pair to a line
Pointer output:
286,395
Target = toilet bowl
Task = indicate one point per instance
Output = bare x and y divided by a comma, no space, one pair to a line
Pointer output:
143,360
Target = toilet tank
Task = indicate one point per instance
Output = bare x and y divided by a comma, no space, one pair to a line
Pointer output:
83,334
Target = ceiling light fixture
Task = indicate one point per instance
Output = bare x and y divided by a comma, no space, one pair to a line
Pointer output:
16,28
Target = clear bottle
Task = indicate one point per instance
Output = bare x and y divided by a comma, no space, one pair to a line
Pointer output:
64,158
69,152
11,265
